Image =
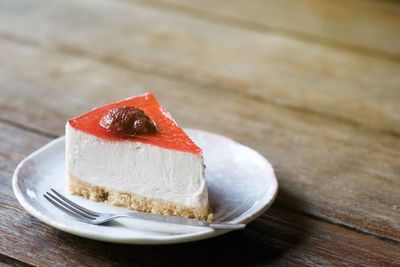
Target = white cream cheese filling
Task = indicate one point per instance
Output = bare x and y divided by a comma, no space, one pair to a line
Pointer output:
138,168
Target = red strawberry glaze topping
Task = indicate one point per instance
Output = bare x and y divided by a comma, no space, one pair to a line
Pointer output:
169,135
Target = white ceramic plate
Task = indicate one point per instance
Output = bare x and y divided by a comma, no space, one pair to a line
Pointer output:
241,184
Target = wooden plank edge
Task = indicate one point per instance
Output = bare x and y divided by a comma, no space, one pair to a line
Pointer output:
263,28
27,128
334,221
206,85
9,261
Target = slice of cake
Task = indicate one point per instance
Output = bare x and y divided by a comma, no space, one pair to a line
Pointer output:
133,154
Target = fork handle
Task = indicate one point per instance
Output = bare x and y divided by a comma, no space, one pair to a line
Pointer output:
227,226
181,220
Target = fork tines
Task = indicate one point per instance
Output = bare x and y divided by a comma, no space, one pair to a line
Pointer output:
69,207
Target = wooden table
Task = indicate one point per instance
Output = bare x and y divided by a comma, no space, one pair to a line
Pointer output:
313,85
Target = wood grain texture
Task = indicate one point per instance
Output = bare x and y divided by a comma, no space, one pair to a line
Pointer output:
364,26
14,146
300,75
278,238
10,262
334,171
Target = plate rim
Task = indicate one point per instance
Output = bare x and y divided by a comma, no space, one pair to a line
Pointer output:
266,202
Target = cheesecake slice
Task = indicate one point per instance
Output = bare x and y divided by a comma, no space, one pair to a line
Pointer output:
133,154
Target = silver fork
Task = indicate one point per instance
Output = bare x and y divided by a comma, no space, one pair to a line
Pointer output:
89,216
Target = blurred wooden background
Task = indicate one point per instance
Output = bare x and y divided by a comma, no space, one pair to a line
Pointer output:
313,85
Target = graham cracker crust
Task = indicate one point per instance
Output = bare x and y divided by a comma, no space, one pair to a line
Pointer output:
135,202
